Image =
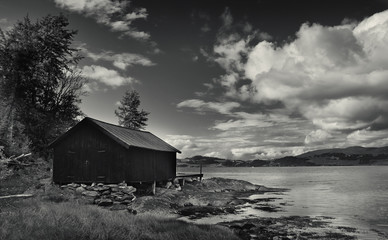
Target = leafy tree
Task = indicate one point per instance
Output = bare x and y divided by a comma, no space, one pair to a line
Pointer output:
38,78
128,113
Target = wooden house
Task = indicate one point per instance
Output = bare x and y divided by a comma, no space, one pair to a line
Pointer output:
96,151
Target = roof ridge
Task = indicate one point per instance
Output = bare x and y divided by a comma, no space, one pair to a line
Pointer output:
93,119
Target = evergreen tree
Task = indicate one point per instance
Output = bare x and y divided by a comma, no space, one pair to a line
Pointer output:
128,113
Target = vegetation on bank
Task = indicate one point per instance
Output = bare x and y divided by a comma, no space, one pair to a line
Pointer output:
70,220
53,213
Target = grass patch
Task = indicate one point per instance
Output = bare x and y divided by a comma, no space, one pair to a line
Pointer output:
68,220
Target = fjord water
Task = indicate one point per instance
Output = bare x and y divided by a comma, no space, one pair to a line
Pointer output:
356,196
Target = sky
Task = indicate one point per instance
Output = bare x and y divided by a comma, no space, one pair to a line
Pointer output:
249,79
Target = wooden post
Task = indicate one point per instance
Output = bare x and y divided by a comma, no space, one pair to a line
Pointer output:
200,171
154,187
153,172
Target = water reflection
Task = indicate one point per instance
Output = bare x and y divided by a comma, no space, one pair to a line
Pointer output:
353,196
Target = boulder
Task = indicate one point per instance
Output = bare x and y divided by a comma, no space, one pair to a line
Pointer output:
132,211
168,185
122,184
90,193
100,188
128,189
80,189
130,197
128,201
107,192
73,185
103,202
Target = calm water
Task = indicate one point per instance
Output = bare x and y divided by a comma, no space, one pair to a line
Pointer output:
355,196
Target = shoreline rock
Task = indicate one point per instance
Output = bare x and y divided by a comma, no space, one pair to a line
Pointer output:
105,195
212,197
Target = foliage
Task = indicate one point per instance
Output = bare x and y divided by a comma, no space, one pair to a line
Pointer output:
4,170
12,138
128,113
39,80
69,220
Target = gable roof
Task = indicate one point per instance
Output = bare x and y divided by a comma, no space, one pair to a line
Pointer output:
125,136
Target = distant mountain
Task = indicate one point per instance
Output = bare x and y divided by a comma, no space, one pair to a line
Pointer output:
350,156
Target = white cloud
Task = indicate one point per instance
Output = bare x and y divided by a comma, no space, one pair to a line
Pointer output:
202,106
106,76
109,13
326,88
335,77
241,123
265,152
227,17
214,154
205,28
229,53
119,60
317,136
368,138
248,120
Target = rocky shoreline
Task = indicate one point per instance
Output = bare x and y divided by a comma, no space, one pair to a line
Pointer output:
214,197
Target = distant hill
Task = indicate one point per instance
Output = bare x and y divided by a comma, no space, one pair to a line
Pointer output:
219,162
356,150
350,156
347,156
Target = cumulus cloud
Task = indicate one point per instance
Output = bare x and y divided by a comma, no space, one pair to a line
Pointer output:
106,76
336,77
317,136
325,88
113,14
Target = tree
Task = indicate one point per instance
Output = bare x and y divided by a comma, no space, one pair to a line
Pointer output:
128,113
39,78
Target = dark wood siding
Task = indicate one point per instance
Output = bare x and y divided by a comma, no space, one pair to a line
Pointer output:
149,165
89,155
86,155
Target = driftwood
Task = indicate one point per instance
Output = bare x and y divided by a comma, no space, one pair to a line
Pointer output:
17,196
13,161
